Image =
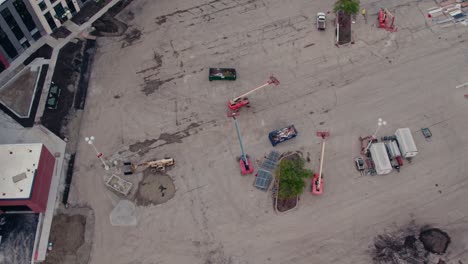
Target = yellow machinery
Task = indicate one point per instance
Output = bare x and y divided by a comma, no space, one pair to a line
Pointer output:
159,165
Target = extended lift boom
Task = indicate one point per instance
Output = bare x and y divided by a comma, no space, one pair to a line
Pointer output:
240,101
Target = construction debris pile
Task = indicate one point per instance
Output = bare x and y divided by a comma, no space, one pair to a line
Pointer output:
411,245
435,240
285,133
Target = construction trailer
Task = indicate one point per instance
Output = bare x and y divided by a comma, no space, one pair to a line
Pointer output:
406,142
380,157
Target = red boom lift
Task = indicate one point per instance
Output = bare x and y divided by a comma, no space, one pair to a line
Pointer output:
245,164
317,181
240,101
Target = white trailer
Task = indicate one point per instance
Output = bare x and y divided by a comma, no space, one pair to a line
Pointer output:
406,142
380,157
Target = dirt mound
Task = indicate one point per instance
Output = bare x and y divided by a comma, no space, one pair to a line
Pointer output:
435,240
286,204
67,236
397,249
403,246
155,188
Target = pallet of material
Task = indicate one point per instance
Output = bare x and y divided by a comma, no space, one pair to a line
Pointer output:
118,184
446,3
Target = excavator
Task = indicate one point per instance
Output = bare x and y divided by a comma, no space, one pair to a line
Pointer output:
159,165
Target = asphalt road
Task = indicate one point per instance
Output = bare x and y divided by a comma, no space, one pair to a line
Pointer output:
150,97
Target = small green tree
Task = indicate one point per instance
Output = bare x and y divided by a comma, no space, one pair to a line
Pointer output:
291,176
350,7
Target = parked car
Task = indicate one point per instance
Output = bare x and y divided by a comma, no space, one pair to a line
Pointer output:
321,21
359,163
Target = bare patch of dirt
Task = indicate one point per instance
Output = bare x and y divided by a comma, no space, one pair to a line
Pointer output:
131,37
155,188
412,244
67,236
284,205
18,94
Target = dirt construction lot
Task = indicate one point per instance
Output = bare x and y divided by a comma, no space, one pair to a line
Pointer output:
149,97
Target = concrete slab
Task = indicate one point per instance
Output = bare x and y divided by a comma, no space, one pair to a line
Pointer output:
124,214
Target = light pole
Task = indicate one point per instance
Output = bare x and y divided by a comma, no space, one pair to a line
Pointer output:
380,123
90,141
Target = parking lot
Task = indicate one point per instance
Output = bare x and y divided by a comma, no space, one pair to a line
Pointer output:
149,97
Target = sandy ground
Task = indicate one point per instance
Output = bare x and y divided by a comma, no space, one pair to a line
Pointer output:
18,94
149,97
71,236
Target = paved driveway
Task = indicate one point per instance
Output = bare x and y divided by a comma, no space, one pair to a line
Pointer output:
150,97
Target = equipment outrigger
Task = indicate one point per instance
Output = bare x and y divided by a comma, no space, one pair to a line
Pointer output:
240,101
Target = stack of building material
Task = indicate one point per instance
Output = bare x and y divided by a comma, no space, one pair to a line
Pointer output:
448,11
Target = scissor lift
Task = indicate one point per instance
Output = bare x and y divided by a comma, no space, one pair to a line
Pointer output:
386,20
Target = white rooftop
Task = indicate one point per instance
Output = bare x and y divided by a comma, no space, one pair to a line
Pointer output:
18,164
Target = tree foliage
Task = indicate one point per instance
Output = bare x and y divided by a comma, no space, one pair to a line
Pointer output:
291,176
350,7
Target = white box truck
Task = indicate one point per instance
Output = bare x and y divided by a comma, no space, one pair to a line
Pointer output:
405,141
380,157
